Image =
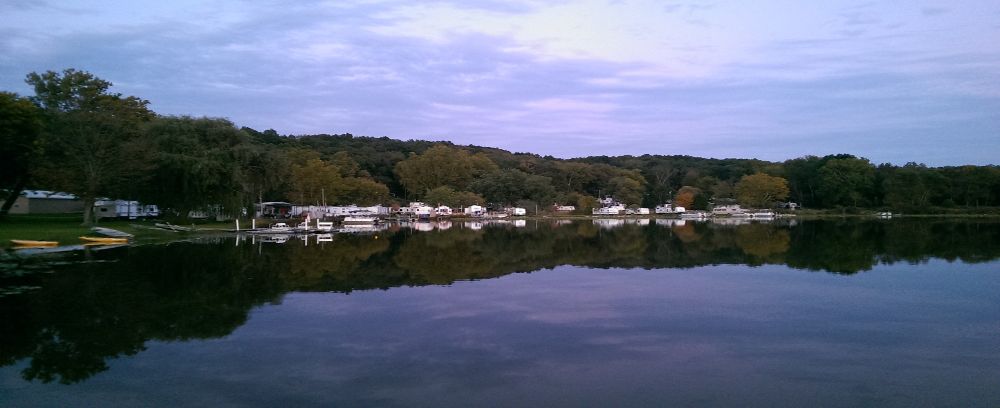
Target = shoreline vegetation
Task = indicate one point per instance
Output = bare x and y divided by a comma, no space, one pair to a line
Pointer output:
75,135
66,229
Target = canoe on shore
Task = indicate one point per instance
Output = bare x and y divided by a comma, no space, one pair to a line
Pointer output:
108,232
105,240
32,243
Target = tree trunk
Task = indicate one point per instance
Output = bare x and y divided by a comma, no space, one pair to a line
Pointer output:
88,211
14,194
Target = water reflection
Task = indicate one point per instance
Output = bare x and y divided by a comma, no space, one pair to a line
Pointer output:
93,306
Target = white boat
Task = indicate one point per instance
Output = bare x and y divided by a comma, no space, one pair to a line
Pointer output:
360,218
694,215
762,215
276,228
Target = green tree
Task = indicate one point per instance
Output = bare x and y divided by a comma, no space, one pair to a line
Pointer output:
442,166
627,190
846,181
910,187
315,182
196,164
445,195
93,138
803,179
510,185
362,191
20,126
761,190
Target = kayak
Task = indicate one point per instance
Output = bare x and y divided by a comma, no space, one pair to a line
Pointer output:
31,243
105,240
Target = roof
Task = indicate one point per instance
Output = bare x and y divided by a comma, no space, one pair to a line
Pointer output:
48,194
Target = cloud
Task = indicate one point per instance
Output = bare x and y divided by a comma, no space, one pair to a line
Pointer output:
553,77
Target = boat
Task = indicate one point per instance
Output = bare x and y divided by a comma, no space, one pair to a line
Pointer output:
172,227
360,218
24,243
694,215
276,228
105,240
762,215
108,232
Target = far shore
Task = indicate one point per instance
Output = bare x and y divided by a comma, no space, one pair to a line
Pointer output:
66,228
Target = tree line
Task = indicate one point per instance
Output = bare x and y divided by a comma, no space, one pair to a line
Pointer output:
76,135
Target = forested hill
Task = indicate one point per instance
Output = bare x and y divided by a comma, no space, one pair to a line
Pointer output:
75,135
831,181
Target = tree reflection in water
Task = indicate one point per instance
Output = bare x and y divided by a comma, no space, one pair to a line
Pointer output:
100,306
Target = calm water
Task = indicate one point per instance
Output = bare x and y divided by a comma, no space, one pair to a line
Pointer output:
819,313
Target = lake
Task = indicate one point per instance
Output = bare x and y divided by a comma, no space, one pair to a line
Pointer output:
902,312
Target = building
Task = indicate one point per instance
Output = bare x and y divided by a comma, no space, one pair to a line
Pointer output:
474,211
443,211
124,209
45,202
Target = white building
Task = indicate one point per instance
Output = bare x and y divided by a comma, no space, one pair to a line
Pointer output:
330,211
124,209
474,211
616,209
443,211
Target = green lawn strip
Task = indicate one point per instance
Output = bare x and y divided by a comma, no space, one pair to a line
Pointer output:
66,229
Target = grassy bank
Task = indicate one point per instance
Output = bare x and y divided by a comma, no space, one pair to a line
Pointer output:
66,229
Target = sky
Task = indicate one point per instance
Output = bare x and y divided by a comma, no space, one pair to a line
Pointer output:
772,79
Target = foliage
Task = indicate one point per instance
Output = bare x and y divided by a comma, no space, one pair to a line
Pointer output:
195,163
442,166
20,126
507,186
445,195
92,141
846,182
761,190
687,196
96,143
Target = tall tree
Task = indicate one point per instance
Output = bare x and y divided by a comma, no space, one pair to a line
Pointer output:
846,181
196,164
510,185
20,126
761,190
803,179
442,166
92,138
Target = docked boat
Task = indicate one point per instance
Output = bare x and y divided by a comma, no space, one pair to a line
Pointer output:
762,215
105,240
108,232
172,227
694,215
27,243
360,218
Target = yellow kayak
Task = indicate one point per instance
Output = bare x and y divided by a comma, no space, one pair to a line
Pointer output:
31,243
105,240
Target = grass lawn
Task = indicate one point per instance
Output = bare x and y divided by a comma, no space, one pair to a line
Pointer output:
66,229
